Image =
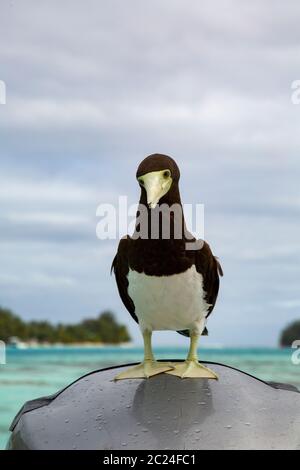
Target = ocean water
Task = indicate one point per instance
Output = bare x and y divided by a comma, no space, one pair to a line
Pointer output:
32,373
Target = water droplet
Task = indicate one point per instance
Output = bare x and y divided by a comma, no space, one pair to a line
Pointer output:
67,420
228,426
176,431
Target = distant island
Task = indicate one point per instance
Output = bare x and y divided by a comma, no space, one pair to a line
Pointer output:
103,329
290,334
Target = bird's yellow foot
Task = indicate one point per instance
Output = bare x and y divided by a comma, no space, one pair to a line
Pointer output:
192,369
145,370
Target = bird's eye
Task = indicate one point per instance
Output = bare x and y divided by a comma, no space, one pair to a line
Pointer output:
141,182
166,174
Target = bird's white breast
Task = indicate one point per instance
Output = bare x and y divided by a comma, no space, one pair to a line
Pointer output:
175,302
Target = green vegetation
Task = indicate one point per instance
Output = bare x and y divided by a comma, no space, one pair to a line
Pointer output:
103,329
290,334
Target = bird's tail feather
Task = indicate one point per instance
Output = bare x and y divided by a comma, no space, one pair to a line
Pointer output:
187,332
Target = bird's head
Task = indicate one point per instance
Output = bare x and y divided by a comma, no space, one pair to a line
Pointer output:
156,175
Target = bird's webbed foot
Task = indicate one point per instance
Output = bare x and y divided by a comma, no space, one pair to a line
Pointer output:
192,369
146,369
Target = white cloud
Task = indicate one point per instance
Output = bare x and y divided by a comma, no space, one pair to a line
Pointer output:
48,218
45,190
50,113
93,88
289,304
35,280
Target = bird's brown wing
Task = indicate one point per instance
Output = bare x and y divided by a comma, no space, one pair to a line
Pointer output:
208,265
120,266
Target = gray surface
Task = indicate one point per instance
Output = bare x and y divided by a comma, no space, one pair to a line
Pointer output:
164,412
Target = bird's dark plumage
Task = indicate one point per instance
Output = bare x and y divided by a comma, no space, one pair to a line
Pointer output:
161,257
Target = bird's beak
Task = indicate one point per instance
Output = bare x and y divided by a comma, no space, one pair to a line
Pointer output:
156,186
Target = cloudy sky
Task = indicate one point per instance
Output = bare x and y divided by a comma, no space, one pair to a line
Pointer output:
92,88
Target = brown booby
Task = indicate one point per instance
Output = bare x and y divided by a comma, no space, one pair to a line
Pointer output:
164,283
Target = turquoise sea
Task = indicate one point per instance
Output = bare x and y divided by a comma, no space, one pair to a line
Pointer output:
31,373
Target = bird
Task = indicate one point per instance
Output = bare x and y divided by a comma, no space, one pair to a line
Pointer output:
165,282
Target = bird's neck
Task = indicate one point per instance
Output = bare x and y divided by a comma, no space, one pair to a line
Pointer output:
164,222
